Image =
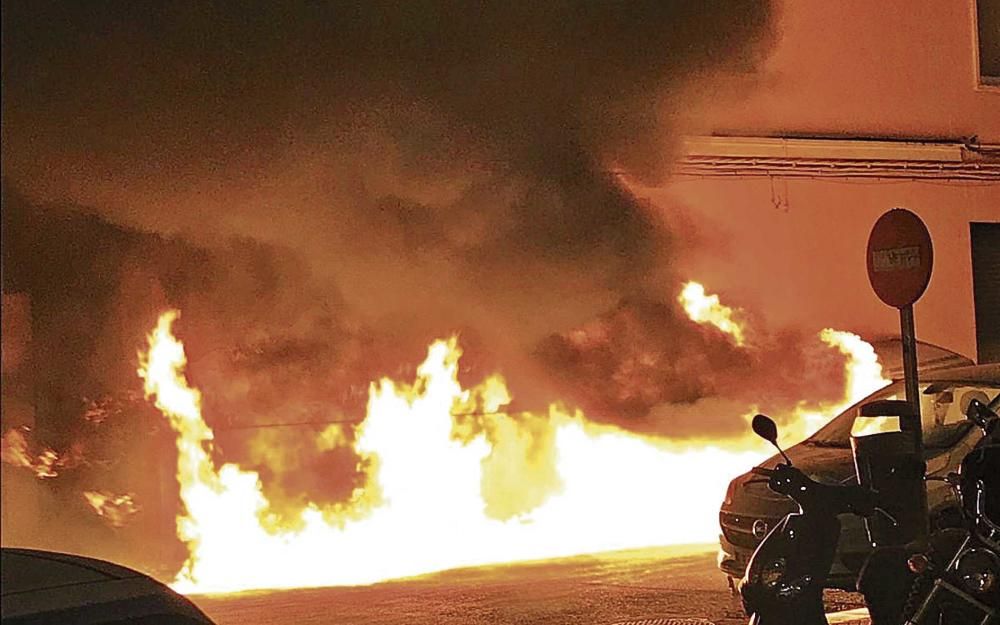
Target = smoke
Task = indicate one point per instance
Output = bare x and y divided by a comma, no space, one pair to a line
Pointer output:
441,166
271,347
324,188
645,366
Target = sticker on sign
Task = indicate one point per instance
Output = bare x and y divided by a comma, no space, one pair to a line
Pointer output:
896,259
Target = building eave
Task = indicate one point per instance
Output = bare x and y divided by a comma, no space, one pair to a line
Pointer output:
837,157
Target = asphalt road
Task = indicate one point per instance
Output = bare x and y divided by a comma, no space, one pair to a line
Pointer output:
648,586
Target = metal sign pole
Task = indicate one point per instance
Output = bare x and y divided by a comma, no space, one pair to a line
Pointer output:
909,337
913,425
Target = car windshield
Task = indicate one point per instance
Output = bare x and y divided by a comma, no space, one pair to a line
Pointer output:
942,412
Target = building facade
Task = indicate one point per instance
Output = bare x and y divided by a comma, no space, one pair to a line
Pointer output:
783,185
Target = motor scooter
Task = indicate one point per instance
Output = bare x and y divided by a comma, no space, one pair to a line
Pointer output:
785,577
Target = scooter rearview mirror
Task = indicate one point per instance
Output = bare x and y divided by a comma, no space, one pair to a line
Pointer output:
764,427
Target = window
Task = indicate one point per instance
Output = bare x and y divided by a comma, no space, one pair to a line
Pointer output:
988,37
942,412
985,239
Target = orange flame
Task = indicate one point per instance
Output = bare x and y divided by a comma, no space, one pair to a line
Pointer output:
15,450
117,510
864,376
444,491
610,490
703,308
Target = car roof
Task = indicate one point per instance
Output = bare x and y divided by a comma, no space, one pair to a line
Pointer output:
23,570
930,357
975,374
50,587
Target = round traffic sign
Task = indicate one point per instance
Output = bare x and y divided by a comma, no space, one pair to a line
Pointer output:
899,258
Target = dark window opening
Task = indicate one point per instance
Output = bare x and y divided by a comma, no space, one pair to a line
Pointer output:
988,36
986,289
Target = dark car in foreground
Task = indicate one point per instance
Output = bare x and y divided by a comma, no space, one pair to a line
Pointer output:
45,587
749,511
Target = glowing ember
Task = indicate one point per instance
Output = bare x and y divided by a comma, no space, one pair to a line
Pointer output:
704,308
117,510
611,489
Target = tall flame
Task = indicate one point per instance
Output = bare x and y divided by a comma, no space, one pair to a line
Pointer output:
864,376
616,490
423,508
703,308
864,373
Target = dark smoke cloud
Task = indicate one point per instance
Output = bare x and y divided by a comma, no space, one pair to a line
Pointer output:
645,365
265,343
435,160
324,187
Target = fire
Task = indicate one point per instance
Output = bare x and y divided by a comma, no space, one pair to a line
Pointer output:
864,376
611,489
15,449
454,480
864,373
117,510
704,308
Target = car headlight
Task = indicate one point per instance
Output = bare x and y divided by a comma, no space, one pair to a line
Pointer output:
772,572
979,570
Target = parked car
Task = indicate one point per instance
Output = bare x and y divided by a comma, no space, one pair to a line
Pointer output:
45,587
749,511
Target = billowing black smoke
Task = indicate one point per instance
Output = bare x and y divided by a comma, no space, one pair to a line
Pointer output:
322,188
437,166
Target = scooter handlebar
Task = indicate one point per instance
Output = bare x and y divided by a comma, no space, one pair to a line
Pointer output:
809,493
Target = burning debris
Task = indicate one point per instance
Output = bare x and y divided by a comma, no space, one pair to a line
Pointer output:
430,484
116,510
16,450
97,411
